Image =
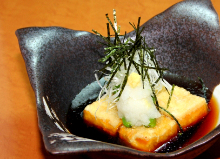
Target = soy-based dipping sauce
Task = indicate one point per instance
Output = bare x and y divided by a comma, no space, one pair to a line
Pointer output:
194,133
76,125
208,124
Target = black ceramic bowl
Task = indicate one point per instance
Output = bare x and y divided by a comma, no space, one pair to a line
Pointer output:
60,62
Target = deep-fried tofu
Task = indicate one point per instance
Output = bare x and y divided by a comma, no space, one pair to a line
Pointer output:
188,109
148,139
99,115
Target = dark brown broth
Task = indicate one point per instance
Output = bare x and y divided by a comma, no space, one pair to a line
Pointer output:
76,125
208,124
195,132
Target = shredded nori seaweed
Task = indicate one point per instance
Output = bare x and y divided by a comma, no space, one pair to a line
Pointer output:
117,51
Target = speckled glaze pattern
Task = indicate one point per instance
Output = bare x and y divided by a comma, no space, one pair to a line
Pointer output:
60,62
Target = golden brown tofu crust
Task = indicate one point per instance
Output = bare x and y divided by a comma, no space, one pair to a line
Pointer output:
148,139
100,116
188,109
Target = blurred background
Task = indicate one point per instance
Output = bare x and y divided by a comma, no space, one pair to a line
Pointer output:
19,133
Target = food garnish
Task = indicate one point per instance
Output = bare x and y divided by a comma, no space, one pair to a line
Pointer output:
136,105
131,66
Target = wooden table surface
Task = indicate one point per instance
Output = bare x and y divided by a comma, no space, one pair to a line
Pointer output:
19,133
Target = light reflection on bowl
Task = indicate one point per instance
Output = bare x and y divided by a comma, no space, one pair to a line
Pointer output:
216,94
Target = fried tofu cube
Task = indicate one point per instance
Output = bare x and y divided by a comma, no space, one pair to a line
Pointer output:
99,115
188,109
148,139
